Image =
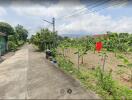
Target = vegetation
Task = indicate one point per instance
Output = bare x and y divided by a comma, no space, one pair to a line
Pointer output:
44,39
128,64
18,38
6,28
95,79
15,36
102,81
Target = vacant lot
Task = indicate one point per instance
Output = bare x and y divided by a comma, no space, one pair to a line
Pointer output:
92,60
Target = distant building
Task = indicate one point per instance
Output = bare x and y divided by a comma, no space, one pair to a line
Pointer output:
3,43
100,36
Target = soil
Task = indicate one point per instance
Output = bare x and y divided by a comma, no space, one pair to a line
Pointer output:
92,60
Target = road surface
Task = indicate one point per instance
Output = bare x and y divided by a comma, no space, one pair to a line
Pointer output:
28,75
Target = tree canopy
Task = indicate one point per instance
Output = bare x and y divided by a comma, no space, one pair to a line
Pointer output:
21,32
45,39
6,28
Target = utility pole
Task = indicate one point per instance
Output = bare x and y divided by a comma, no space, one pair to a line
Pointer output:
53,23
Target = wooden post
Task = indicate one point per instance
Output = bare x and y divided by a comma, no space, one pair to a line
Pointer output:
82,59
78,60
104,61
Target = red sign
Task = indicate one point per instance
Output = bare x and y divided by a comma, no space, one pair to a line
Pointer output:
99,46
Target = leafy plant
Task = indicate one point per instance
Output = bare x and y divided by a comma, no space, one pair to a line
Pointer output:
18,38
44,39
12,46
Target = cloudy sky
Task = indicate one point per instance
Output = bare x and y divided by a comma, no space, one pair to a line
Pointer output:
77,16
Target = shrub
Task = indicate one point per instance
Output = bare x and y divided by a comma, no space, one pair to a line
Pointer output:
113,88
67,65
12,46
20,43
105,81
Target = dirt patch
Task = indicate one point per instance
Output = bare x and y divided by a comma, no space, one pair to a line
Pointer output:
92,60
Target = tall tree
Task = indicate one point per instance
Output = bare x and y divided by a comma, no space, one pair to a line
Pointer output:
21,32
6,28
45,39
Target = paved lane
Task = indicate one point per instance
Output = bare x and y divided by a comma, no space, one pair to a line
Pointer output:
28,75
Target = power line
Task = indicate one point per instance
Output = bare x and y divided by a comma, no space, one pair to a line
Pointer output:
78,9
89,11
94,6
102,9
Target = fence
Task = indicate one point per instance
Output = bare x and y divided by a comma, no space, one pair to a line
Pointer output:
2,45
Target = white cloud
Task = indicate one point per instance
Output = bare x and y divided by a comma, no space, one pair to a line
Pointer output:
90,23
97,24
38,11
55,10
2,11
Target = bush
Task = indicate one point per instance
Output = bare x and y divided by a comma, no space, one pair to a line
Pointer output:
106,82
12,46
20,43
53,50
67,65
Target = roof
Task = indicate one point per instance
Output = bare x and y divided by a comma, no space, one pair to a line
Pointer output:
100,35
2,34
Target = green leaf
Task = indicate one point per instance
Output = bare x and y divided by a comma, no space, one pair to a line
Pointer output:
129,65
126,61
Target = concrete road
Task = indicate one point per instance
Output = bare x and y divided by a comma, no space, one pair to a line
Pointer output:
28,75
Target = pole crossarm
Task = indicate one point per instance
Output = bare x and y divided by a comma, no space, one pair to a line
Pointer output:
47,21
53,23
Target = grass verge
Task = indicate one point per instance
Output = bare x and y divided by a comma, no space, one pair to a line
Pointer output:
96,80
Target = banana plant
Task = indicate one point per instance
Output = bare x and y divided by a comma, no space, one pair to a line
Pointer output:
78,47
103,58
82,48
64,45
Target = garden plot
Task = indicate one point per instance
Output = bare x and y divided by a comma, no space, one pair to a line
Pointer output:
92,60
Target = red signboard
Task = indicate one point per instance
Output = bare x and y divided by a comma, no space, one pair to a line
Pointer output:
99,46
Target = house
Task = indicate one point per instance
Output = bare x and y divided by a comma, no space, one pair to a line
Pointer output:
100,35
3,43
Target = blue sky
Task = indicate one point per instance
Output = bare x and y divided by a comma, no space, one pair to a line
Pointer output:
112,18
118,12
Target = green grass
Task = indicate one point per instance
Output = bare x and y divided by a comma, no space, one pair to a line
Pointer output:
106,87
